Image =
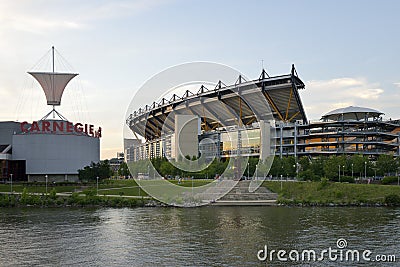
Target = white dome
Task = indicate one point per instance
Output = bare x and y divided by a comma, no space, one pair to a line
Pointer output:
351,113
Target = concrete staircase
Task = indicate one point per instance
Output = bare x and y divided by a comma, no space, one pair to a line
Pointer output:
240,195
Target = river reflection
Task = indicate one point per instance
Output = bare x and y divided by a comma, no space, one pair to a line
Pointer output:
207,236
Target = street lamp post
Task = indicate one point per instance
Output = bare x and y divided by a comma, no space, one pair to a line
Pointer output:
248,170
339,173
256,172
46,176
352,172
365,170
11,190
192,185
97,185
398,176
343,170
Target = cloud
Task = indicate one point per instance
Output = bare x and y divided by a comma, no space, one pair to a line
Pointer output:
4,92
28,16
120,9
41,26
347,87
321,96
32,19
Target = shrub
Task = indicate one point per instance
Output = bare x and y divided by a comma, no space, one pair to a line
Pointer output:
4,201
36,200
392,200
324,183
308,175
53,194
90,192
346,179
339,194
60,201
115,202
390,180
24,196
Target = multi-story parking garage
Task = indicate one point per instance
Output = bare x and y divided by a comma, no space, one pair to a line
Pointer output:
350,130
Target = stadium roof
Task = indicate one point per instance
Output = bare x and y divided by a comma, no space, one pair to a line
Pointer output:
279,92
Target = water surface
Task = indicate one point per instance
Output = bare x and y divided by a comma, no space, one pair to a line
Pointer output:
207,236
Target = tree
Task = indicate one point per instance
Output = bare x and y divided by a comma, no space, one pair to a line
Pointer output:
277,167
265,166
304,163
308,175
166,168
386,164
331,167
358,162
101,169
317,166
123,169
289,166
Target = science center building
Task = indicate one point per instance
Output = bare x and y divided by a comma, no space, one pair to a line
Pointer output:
51,148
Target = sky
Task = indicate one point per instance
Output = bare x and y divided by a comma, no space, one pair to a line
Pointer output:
346,52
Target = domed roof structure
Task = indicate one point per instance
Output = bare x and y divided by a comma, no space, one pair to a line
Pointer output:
351,113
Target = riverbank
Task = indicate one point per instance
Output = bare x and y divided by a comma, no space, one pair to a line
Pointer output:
127,194
327,193
53,199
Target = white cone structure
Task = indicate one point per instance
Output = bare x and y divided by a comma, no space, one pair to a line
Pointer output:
53,84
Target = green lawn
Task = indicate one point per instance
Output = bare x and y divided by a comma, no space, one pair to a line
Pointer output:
37,189
32,188
130,188
188,183
324,193
106,187
123,191
115,183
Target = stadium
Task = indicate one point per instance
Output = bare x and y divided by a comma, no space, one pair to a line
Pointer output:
345,131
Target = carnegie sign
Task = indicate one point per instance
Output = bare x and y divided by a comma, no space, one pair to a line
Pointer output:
60,127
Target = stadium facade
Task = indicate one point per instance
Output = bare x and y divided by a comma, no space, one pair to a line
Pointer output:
351,130
52,148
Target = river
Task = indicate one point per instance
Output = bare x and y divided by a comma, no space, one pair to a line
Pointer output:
206,236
